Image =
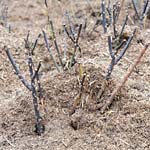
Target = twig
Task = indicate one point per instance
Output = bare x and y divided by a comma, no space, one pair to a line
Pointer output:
117,11
114,21
36,76
121,6
35,44
109,10
127,75
39,88
75,42
17,70
123,27
48,48
110,68
144,9
104,16
115,15
75,45
27,44
114,59
65,44
135,8
33,75
110,47
125,48
71,38
36,72
71,27
123,42
46,3
56,45
141,16
39,126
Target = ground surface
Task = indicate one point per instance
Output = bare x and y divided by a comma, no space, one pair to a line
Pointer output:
126,125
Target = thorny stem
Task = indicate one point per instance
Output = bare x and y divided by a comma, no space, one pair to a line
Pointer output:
127,75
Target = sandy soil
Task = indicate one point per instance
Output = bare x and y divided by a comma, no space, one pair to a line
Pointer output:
126,125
